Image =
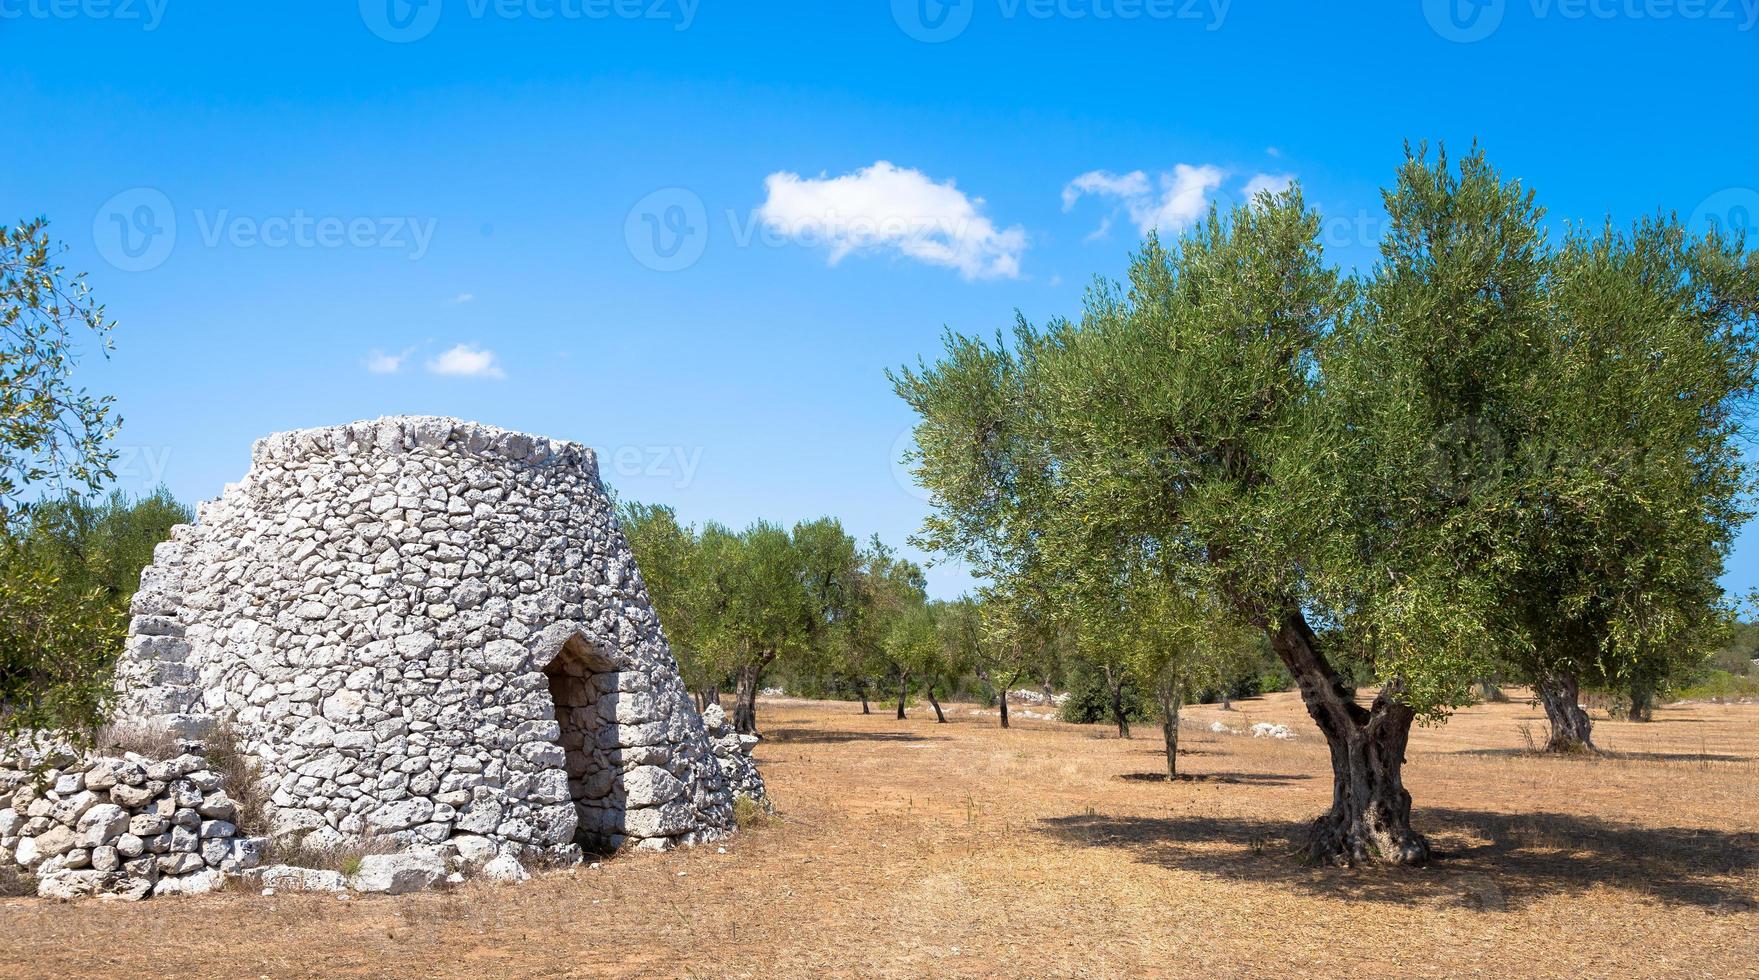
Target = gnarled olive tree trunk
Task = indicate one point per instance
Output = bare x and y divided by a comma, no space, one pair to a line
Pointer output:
903,691
1571,729
745,695
1370,815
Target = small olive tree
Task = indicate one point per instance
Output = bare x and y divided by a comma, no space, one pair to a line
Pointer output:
60,638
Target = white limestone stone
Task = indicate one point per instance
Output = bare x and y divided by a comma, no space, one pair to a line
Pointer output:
506,869
398,874
287,878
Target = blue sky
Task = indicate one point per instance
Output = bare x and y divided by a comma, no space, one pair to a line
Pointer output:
671,228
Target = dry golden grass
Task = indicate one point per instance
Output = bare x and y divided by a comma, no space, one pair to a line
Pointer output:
910,848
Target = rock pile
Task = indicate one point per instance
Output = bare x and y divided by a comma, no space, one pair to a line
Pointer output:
733,754
1026,695
1262,729
121,825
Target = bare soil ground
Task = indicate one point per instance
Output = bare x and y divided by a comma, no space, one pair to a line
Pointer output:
907,848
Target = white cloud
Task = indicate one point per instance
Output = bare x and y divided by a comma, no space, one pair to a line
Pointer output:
467,361
1182,198
1274,183
886,207
463,297
1273,151
379,362
1178,199
1131,185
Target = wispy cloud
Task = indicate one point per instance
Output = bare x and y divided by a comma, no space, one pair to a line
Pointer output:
467,361
889,208
1176,200
1181,198
463,297
379,362
1273,183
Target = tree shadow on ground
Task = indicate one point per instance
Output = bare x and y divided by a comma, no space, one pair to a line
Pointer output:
813,736
1213,777
1182,751
1484,861
1605,755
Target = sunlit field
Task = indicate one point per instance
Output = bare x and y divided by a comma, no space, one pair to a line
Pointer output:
909,848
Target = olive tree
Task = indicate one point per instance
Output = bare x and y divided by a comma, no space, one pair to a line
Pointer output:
1000,638
62,627
52,434
1630,482
677,568
1388,463
782,593
1178,414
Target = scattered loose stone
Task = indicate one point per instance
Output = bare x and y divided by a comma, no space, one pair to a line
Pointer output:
299,879
397,874
506,870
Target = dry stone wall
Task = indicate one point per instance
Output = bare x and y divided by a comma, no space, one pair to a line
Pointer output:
125,825
434,631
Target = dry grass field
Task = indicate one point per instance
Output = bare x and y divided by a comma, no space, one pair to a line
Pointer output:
916,849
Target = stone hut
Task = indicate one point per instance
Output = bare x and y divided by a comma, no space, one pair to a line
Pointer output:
433,630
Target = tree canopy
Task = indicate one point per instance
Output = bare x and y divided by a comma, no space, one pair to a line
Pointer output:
1489,447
